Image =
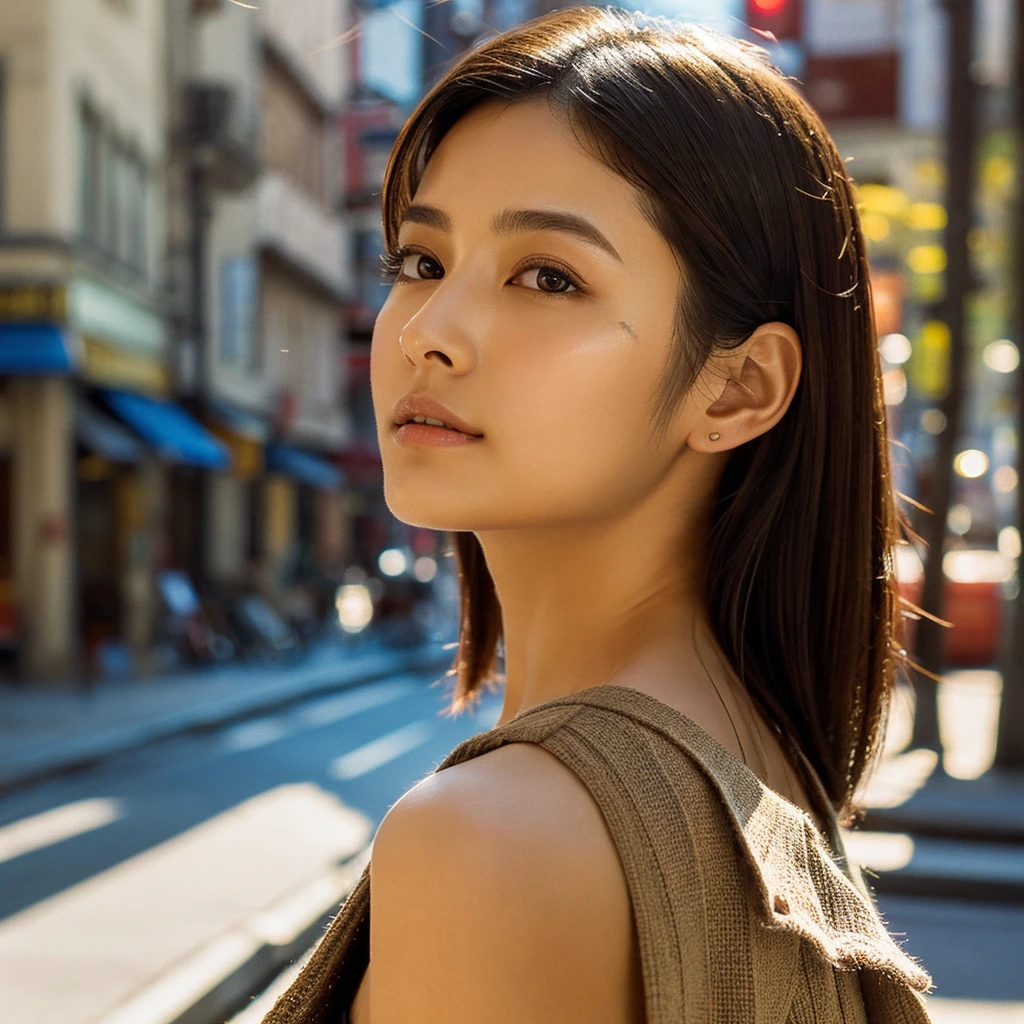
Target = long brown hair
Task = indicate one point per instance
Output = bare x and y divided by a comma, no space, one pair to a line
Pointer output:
740,176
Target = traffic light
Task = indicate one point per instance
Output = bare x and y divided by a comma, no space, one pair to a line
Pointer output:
782,19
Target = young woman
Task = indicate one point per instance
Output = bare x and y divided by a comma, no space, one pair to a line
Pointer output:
630,290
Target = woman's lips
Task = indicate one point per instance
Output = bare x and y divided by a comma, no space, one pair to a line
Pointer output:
427,436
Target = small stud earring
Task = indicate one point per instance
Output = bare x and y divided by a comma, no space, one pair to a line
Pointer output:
714,435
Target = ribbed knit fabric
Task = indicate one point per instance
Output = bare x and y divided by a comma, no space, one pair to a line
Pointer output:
745,912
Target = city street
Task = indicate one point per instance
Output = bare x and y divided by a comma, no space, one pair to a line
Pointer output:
137,881
112,877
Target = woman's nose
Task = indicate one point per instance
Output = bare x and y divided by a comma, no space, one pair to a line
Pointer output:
440,330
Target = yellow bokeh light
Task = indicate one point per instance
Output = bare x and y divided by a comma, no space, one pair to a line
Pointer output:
875,226
883,199
927,259
927,216
997,173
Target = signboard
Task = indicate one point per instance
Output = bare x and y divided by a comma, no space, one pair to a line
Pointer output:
102,312
854,86
33,302
112,366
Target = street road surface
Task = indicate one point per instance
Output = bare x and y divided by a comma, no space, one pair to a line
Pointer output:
113,878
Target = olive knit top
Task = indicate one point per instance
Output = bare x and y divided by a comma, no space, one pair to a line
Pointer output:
744,911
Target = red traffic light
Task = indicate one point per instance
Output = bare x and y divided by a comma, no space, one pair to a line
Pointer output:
768,6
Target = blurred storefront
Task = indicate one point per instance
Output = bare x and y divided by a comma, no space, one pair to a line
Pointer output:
90,437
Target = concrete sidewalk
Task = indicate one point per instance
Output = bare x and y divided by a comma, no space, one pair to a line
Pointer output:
46,732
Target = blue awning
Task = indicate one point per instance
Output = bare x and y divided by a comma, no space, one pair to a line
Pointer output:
310,469
105,436
34,348
169,429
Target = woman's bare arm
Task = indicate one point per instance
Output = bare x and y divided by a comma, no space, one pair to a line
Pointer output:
497,895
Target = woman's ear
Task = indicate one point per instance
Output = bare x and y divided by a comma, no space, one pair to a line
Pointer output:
761,377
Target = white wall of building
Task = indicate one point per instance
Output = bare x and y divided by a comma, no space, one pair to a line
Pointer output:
28,171
308,32
115,55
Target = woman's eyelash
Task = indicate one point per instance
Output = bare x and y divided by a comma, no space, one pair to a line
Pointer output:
394,259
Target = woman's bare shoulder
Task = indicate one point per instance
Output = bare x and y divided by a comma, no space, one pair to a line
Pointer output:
497,894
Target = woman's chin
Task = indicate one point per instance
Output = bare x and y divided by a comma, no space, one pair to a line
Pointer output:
426,517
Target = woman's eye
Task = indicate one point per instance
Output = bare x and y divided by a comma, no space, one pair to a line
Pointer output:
415,261
552,280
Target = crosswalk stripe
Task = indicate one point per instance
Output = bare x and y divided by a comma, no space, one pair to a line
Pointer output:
380,751
54,826
264,731
250,735
343,705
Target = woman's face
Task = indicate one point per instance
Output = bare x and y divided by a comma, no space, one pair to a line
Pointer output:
548,344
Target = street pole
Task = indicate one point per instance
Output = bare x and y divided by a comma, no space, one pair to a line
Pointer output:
961,130
199,214
1010,739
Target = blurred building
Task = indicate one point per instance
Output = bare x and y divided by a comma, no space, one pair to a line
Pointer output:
263,337
876,70
369,125
174,267
81,315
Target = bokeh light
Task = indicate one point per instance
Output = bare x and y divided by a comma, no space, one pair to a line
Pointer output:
971,463
1001,356
392,562
895,349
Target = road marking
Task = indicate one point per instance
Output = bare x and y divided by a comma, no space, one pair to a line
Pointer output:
250,735
344,705
380,751
56,825
263,731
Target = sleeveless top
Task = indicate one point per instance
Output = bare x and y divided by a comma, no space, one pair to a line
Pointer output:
744,910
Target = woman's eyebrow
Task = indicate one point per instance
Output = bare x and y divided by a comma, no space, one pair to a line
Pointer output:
509,222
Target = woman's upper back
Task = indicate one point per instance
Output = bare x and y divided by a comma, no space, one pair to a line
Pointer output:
743,910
